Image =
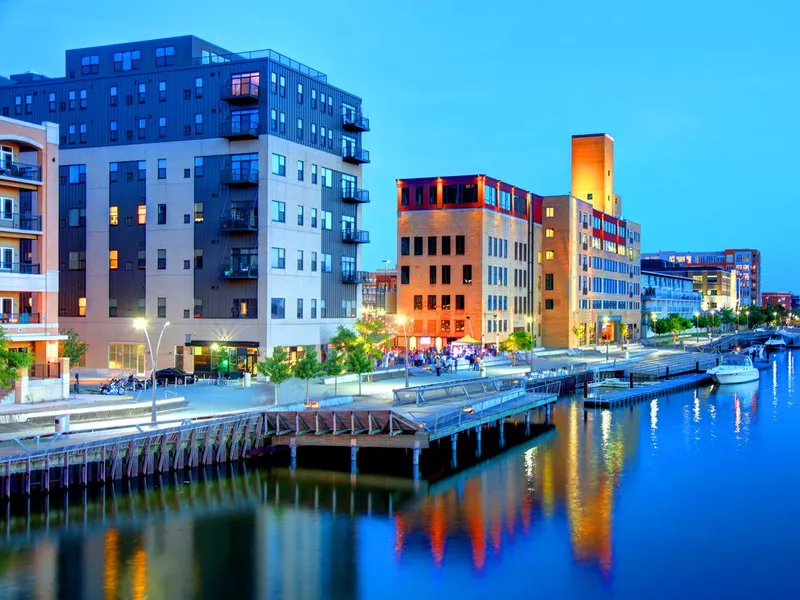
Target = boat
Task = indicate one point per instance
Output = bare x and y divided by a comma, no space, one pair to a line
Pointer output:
775,342
758,355
734,368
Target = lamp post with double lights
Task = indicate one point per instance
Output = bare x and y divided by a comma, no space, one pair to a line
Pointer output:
403,320
142,324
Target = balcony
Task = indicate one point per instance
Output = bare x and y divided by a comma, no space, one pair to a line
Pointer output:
21,268
352,121
356,156
240,268
239,130
16,170
240,221
20,318
239,176
21,222
354,195
355,277
355,236
240,92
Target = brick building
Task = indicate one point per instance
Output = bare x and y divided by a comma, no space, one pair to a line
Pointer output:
782,298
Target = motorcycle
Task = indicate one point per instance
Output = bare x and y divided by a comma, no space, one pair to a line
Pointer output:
112,387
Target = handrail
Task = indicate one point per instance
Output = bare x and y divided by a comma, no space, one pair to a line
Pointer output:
21,221
23,318
20,170
260,54
22,268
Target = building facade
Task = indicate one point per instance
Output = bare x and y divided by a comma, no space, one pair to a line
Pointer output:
785,299
219,191
379,292
589,256
716,286
29,227
465,258
665,293
745,263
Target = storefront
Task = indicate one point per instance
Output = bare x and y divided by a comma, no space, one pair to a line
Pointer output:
208,356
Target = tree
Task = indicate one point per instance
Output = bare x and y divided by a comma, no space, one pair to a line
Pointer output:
579,331
11,362
308,366
359,362
727,316
345,338
73,347
519,340
276,368
375,334
624,332
334,365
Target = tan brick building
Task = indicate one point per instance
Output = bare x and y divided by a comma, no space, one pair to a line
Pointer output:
465,258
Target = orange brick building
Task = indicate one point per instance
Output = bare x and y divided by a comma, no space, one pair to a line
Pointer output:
29,226
591,255
465,258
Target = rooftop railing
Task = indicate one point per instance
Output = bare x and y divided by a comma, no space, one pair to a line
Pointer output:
260,55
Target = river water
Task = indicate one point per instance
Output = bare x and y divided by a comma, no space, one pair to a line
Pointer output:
693,495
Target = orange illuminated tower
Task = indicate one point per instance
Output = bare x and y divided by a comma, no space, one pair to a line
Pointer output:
593,172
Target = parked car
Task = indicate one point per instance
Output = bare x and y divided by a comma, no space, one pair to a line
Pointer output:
173,375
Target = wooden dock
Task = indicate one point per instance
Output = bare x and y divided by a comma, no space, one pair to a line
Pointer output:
637,394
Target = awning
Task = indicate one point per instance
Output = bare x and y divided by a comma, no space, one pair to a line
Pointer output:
221,344
467,340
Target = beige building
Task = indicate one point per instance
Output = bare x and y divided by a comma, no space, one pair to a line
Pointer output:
29,172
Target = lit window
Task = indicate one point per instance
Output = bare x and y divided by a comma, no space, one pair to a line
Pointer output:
548,233
548,255
113,259
113,215
549,211
81,307
141,214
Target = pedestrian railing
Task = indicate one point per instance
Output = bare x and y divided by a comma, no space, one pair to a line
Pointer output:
447,391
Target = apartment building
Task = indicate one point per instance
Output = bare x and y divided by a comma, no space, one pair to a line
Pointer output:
717,287
29,168
379,292
465,258
745,263
785,299
665,293
219,191
590,255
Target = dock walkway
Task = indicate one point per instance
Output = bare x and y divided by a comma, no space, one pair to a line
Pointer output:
637,394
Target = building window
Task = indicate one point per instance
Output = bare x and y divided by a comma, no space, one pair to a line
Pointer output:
327,220
432,302
327,264
432,274
77,261
549,211
198,87
162,259
548,304
273,119
113,215
162,91
405,275
330,138
549,255
460,245
198,123
445,274
90,65
300,170
113,133
322,135
113,98
313,99
404,196
77,217
327,178
198,212
127,61
283,122
82,133
314,174
278,211
431,245
300,215
459,302
198,166
142,91
548,281
52,102
71,131
142,129
113,260
418,246
314,218
162,168
279,165
299,93
299,129
299,308
282,87
313,133
549,233
84,100
313,262
322,101
313,308
162,308
112,312
141,214
162,214
165,56
299,260
405,246
198,258
278,258
466,271
278,308
162,127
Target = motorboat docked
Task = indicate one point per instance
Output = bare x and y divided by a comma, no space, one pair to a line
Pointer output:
734,368
758,354
775,342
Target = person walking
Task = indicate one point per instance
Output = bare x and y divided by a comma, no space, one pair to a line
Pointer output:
77,383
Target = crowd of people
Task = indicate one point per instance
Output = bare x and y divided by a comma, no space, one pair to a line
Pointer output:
449,358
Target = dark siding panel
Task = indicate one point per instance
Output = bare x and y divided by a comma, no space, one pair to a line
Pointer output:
71,284
333,290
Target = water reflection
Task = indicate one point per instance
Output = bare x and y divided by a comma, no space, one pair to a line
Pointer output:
580,497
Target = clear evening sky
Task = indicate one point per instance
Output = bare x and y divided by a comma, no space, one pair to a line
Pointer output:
701,96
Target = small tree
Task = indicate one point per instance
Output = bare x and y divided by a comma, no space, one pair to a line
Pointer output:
11,362
345,338
579,331
624,332
375,334
519,340
334,365
359,362
308,367
73,347
276,368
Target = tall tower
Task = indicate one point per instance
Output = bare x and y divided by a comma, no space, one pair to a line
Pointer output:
593,172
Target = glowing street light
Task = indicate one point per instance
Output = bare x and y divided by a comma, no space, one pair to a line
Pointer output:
142,324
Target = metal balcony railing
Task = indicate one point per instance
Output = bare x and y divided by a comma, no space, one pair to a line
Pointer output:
21,222
355,277
21,268
239,176
19,318
239,223
19,170
240,92
240,269
352,121
355,236
354,195
356,156
45,371
239,130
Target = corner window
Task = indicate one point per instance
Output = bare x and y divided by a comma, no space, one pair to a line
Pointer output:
90,65
279,165
165,56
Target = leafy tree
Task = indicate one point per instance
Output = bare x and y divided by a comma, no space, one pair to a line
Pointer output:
334,365
345,338
579,331
11,362
519,340
775,313
308,366
276,368
727,316
73,347
359,362
375,334
624,332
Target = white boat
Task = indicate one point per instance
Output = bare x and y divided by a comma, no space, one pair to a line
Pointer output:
735,368
776,342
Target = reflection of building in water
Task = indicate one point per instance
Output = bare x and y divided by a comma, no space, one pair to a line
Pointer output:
578,470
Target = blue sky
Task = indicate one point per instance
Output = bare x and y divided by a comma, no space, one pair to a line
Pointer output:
701,97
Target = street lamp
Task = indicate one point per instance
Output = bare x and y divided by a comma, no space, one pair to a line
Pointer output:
214,348
775,319
711,324
142,324
530,352
697,326
402,320
737,320
746,319
605,335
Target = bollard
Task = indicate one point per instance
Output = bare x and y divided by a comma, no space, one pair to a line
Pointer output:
585,388
697,366
667,373
631,374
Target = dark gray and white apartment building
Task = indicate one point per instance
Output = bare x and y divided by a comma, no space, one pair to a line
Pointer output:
219,191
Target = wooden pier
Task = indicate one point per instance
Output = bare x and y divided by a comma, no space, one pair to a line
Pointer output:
637,394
